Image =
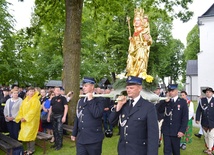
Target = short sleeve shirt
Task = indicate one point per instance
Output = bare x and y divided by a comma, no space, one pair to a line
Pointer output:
58,103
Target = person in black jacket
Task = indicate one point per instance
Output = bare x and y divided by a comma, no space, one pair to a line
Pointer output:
205,112
87,130
3,99
175,121
138,121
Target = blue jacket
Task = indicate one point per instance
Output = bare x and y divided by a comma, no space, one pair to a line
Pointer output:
205,110
88,122
138,129
177,122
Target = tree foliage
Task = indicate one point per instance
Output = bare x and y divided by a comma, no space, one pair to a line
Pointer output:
193,44
7,56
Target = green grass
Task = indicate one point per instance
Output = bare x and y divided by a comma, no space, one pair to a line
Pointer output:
110,147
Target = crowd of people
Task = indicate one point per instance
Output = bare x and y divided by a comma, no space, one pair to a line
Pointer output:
24,112
142,125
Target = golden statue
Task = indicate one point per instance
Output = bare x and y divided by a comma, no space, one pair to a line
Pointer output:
139,47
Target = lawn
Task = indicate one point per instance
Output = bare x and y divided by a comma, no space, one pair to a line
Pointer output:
110,147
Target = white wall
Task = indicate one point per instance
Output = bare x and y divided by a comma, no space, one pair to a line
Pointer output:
192,85
206,55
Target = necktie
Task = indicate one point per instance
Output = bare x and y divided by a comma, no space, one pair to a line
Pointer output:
130,104
172,100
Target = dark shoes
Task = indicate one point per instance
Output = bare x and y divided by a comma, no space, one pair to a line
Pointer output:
183,146
53,146
58,148
198,135
159,143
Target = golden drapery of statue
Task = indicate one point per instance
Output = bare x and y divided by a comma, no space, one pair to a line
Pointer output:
139,47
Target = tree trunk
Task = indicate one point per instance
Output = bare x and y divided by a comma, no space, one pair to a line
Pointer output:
72,52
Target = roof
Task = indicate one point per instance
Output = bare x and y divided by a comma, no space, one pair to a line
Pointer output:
209,12
192,67
54,83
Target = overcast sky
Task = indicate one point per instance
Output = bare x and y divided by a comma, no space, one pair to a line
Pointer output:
22,12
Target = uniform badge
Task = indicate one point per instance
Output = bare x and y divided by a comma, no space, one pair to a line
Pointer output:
179,106
123,116
79,107
211,104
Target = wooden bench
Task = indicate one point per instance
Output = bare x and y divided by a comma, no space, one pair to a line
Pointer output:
68,128
8,144
43,137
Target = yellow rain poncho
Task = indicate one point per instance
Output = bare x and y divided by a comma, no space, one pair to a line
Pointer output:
30,111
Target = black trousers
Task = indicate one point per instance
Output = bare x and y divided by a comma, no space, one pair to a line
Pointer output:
89,149
3,125
57,129
13,129
171,145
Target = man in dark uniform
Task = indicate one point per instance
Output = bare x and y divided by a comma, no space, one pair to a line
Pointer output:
205,111
175,121
59,110
108,104
138,121
87,129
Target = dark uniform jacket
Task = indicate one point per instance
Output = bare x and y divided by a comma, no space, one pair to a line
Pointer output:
206,110
177,122
88,122
3,125
138,128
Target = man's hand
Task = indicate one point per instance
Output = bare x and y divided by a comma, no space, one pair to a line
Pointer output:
197,122
90,96
106,109
167,99
121,101
63,119
180,134
73,138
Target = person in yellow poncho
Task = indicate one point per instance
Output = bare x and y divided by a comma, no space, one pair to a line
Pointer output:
29,115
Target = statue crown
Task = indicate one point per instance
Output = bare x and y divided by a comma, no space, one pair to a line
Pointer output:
138,12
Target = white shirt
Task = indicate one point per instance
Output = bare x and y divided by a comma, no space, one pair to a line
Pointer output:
135,100
209,99
175,98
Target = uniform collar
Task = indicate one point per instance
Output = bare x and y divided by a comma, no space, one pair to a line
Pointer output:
209,99
175,98
136,99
